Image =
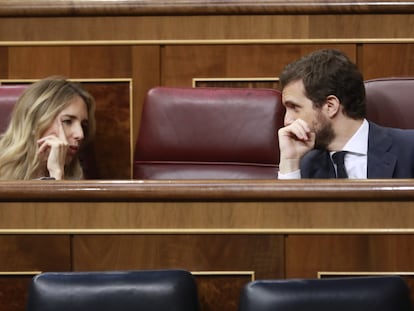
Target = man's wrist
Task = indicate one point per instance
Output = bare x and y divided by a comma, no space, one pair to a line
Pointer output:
291,175
287,166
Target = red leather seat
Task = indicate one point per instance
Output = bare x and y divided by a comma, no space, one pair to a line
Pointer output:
209,133
8,97
390,101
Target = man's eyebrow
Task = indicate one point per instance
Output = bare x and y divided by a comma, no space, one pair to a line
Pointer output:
290,103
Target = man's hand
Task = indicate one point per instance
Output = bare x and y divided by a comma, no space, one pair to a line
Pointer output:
295,140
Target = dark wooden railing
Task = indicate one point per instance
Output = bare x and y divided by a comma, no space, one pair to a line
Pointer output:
196,7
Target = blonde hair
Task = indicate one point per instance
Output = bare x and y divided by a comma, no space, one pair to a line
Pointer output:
34,112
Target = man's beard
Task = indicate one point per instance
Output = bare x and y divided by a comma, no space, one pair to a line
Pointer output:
324,133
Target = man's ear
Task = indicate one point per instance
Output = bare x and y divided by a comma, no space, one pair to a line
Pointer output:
332,106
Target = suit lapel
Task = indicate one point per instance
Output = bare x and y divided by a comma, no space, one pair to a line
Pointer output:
381,163
320,165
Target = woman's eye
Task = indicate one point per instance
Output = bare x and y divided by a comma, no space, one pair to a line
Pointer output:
85,128
67,121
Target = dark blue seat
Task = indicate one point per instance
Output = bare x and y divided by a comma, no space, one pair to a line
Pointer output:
376,293
151,290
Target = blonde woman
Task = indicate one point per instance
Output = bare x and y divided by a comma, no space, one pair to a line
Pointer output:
51,121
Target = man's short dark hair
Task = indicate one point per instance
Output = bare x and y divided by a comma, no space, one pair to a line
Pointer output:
329,72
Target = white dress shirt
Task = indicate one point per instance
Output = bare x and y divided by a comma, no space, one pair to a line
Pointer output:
355,160
357,156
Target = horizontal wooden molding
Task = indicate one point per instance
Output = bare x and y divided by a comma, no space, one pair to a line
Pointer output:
266,82
19,273
207,190
323,274
26,8
208,41
158,231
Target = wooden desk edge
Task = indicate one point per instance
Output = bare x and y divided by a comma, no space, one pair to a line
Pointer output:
207,190
43,8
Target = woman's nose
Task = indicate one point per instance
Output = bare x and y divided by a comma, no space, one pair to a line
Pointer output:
78,133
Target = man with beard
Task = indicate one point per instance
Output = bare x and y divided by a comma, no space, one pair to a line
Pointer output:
324,96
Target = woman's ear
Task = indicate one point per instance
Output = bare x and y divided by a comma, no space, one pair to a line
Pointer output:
332,106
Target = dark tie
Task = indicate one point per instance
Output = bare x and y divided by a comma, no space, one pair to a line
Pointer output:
338,158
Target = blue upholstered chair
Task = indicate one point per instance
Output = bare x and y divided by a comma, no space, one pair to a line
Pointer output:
151,290
377,293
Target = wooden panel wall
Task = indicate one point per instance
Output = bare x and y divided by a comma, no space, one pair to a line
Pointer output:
153,44
174,64
23,256
226,232
156,44
221,263
208,27
387,60
233,61
306,255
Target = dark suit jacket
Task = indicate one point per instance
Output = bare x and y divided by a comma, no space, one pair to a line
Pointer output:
390,155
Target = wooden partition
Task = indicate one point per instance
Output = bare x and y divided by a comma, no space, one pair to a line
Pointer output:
119,75
157,42
226,232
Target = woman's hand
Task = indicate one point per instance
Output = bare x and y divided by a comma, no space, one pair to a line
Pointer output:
53,150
